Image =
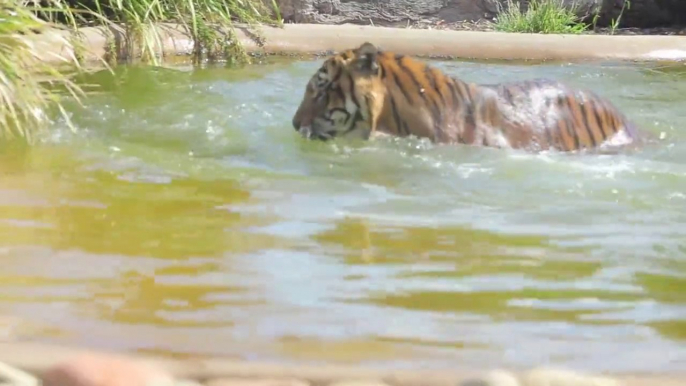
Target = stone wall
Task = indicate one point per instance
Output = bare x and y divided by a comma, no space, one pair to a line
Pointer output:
648,13
642,13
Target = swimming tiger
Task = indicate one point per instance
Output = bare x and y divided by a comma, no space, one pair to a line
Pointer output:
365,91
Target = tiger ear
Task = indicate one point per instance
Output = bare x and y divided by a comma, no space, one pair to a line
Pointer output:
366,59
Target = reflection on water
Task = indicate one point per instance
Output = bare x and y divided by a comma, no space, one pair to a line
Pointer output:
187,217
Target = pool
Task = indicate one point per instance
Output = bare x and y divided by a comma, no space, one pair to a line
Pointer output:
187,217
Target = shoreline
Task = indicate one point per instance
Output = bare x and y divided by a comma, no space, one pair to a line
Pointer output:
36,358
318,39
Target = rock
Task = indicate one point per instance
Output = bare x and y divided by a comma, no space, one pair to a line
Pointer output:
400,13
256,382
493,378
644,13
104,370
387,13
555,377
539,377
356,382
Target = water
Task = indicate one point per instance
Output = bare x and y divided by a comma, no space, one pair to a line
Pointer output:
187,217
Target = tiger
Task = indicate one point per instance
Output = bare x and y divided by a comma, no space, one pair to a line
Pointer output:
365,92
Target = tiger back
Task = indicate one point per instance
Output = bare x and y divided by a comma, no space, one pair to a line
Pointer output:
364,91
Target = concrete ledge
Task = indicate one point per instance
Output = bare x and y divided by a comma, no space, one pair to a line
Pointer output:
36,358
303,38
308,39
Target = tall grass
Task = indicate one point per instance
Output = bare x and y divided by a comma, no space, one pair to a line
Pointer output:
541,16
208,22
27,83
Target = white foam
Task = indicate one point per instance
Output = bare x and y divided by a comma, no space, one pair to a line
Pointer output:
666,54
619,139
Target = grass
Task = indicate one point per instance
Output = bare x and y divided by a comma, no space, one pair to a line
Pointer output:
541,16
29,86
614,24
208,22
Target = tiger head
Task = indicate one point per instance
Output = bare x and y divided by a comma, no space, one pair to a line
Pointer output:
344,96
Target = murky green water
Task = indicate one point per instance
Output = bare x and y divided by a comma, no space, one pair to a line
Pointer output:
187,216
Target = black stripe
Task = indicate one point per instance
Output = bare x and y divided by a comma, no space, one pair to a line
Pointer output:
465,99
454,92
438,120
352,92
337,76
567,110
608,110
337,90
410,74
507,92
435,107
587,123
431,77
598,118
558,128
584,118
396,115
547,130
358,117
468,94
459,87
395,80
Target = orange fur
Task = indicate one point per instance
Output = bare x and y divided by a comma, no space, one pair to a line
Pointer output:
364,91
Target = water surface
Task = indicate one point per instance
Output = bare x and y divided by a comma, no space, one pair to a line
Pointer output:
185,216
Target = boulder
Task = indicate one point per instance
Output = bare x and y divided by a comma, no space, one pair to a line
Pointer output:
399,13
645,13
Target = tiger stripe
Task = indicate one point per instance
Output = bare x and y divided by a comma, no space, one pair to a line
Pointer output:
364,90
585,134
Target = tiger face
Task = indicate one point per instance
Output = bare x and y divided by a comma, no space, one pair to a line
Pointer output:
342,97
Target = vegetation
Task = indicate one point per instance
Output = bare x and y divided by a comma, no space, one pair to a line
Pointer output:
27,84
25,78
541,16
208,22
614,24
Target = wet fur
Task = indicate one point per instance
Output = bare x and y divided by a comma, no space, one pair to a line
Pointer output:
364,91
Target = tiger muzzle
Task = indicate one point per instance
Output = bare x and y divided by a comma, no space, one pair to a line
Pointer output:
307,132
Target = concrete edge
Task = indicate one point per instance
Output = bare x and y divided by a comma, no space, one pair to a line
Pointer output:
309,39
36,358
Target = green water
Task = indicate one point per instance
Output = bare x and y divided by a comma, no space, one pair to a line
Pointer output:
186,216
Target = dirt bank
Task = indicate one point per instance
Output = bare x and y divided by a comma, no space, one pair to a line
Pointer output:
316,39
37,358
